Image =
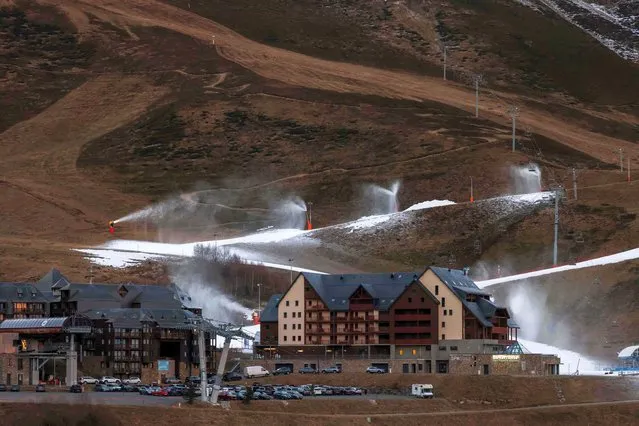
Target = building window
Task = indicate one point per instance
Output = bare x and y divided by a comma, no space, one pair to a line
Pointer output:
267,326
19,307
284,314
410,300
299,315
414,351
309,303
443,324
422,302
284,326
299,338
453,348
443,302
443,337
445,312
287,303
20,363
436,290
450,312
297,303
401,351
285,338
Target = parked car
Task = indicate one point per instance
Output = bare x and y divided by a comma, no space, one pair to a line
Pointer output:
282,371
160,392
113,387
332,370
281,395
128,388
422,390
375,370
307,370
75,388
232,377
88,380
109,379
174,381
15,388
132,381
100,387
40,388
176,390
3,387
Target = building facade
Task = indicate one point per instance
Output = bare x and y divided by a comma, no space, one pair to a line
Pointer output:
420,321
136,330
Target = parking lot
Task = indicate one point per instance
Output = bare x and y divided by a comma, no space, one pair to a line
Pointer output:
117,398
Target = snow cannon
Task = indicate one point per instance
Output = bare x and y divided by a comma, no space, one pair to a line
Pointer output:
112,226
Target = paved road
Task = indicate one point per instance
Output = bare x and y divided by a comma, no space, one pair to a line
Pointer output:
123,398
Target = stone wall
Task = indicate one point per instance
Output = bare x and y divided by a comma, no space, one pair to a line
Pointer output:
527,364
9,369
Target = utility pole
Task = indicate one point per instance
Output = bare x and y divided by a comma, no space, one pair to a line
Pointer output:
201,344
478,79
472,197
628,168
445,55
574,182
621,159
259,300
290,261
554,255
514,112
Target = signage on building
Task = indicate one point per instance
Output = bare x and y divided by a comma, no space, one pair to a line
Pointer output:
163,365
505,357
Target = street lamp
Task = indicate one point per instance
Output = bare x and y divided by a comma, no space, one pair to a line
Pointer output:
259,300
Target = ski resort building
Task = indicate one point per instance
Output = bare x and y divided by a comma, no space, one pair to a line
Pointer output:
119,330
426,321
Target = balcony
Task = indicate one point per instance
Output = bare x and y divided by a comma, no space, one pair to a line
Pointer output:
413,317
317,331
499,330
413,329
316,308
318,319
361,307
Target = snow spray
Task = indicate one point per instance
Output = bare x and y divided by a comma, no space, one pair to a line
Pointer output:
526,179
384,200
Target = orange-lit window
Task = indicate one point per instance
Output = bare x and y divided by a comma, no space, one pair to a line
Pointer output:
19,307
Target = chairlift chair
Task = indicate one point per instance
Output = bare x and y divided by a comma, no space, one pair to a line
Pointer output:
532,167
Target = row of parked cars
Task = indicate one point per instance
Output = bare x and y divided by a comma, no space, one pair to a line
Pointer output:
108,380
285,392
311,370
16,388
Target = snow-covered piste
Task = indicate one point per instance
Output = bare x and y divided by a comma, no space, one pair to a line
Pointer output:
605,260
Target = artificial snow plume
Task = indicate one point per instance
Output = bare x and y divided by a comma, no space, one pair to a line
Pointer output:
572,363
382,200
526,179
205,293
366,222
290,213
173,208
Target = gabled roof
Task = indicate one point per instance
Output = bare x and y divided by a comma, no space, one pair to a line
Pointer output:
135,317
461,284
269,313
335,290
52,277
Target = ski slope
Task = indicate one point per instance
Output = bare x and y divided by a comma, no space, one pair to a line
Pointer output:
605,260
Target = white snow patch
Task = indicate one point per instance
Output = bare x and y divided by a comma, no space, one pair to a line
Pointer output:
116,259
429,205
570,360
366,222
605,260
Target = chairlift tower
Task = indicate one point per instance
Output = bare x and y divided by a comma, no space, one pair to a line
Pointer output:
513,111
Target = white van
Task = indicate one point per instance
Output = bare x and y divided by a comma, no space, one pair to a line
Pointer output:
422,391
255,371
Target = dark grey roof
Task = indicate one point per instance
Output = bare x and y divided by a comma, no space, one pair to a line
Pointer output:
135,317
461,284
21,292
269,313
512,323
335,290
52,277
24,323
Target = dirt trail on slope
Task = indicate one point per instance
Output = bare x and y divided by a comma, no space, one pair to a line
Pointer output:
300,70
36,152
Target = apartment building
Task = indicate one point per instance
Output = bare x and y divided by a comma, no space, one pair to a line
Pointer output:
133,327
378,313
